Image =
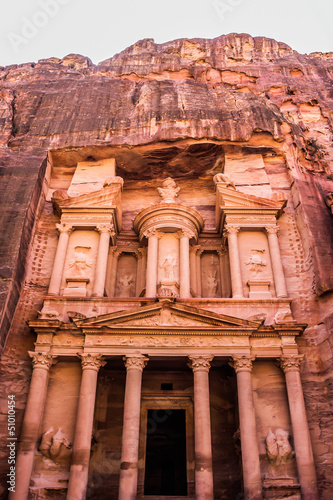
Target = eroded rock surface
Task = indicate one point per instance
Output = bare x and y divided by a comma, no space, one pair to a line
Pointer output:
186,109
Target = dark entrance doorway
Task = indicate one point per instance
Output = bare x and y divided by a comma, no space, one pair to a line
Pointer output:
165,471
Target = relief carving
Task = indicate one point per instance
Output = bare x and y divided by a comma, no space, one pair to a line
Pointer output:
256,263
56,446
125,285
278,447
169,191
225,179
169,267
81,263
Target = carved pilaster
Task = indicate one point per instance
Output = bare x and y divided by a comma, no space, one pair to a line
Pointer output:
42,359
242,363
291,363
201,363
272,230
91,361
137,362
65,228
230,230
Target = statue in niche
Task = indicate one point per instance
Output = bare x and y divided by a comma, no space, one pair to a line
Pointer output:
56,446
225,179
256,262
169,191
278,447
125,285
81,263
211,283
169,267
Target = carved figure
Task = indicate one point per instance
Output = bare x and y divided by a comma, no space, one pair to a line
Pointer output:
125,284
55,445
278,447
81,263
256,262
169,191
225,179
211,283
116,179
169,267
283,316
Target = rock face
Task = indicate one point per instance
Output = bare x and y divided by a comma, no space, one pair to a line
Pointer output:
251,108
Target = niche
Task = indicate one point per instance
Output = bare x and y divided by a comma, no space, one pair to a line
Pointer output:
126,275
210,275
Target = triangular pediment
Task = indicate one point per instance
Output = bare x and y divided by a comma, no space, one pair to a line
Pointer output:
107,197
166,315
231,198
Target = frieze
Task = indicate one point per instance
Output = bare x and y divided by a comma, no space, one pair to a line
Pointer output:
167,341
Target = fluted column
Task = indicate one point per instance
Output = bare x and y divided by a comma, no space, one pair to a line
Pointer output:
102,259
235,270
128,481
248,431
31,423
78,476
60,257
302,441
274,250
151,277
184,267
202,428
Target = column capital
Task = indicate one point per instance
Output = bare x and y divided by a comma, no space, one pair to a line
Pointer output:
291,363
137,362
142,252
242,363
230,230
200,363
152,231
64,228
185,233
272,230
221,251
91,361
105,228
42,359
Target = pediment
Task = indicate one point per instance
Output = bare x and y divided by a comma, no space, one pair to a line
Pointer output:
166,316
104,198
231,198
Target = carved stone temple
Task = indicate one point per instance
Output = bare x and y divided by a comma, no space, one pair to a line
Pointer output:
168,274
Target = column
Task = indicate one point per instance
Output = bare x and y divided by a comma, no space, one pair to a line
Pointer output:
274,250
143,252
151,276
302,441
193,269
224,272
102,259
199,287
235,270
78,476
138,288
113,280
31,423
184,264
59,261
109,269
248,431
202,428
128,481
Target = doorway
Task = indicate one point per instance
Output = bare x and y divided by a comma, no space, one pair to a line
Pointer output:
166,461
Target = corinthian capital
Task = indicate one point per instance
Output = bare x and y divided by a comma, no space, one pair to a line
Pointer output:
272,230
64,228
42,359
242,363
91,361
105,228
291,363
230,230
201,363
152,231
137,362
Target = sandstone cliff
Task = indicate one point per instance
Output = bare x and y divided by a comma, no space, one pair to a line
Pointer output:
151,107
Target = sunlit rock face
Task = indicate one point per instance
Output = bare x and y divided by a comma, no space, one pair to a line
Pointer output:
251,108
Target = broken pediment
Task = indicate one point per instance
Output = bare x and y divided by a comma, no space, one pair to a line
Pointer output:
167,315
231,202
